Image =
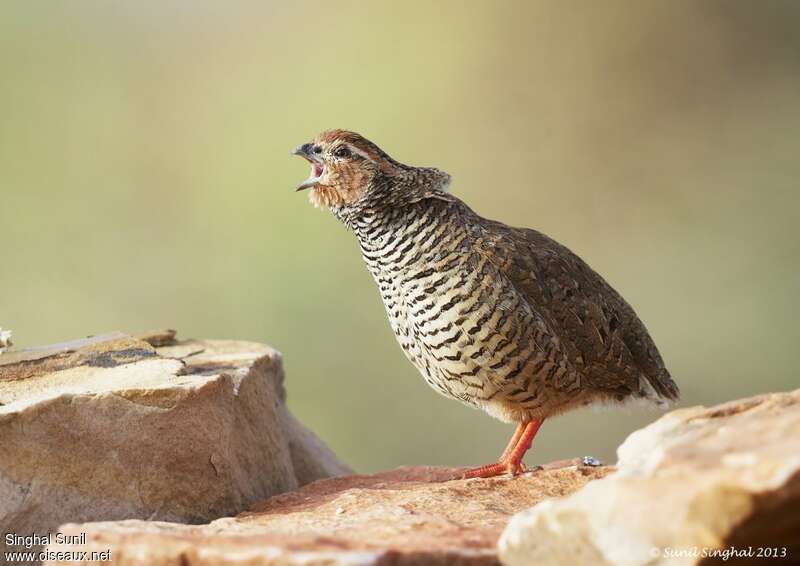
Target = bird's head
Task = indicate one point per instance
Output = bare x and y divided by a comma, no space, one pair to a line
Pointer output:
348,169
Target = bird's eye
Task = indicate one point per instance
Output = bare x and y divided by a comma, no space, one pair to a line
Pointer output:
317,149
342,152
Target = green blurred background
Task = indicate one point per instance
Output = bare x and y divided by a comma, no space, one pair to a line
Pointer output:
146,182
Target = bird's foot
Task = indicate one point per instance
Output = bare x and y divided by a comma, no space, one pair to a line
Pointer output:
511,460
498,469
488,471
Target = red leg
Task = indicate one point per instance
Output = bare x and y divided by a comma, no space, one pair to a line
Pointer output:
511,461
513,442
524,444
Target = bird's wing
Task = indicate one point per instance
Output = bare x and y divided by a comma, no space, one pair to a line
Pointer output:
596,328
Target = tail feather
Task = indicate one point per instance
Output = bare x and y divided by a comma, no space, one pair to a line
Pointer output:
662,390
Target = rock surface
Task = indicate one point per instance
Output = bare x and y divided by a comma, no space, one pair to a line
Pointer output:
696,480
114,427
185,432
403,517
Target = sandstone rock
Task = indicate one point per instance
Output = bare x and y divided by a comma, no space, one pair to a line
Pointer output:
724,479
404,517
114,428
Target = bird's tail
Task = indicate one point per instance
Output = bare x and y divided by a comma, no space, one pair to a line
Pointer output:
661,389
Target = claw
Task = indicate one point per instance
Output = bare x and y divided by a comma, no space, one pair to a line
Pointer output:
517,469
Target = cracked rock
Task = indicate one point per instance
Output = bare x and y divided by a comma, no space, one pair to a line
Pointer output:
113,427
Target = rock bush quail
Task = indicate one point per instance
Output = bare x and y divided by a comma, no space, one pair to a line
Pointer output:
504,319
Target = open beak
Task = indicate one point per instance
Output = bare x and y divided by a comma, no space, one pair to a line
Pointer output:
317,167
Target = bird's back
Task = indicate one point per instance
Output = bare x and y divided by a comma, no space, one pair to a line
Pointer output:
604,340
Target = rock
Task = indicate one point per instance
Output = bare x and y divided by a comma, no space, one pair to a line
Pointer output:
724,479
114,428
404,517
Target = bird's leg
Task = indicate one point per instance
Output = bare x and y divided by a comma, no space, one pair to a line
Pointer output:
514,460
513,442
511,461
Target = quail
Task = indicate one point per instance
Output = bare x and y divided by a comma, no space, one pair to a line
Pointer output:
503,319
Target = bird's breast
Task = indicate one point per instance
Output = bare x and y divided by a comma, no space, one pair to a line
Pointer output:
451,320
457,318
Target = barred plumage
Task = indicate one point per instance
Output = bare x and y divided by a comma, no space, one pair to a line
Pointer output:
503,319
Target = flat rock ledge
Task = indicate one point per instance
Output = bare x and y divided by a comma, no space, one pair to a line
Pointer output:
717,485
122,427
409,516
